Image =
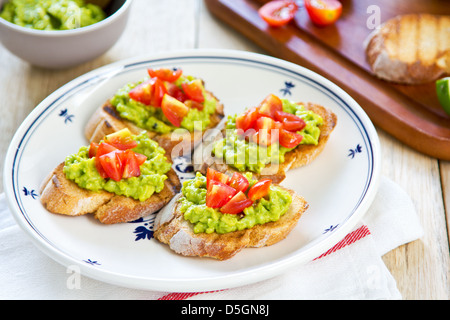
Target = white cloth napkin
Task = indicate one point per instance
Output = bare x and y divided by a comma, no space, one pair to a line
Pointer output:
353,269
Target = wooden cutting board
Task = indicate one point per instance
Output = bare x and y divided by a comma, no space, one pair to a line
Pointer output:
411,114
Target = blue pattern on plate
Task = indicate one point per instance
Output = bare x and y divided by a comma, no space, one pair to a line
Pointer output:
352,152
65,114
92,262
288,85
31,193
145,231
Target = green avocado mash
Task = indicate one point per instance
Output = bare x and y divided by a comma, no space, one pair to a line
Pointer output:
208,220
152,118
52,14
244,155
81,169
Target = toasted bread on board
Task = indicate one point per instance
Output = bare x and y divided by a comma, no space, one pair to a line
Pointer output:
107,120
172,229
300,156
411,48
62,196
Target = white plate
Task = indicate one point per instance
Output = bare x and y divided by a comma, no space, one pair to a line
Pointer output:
339,185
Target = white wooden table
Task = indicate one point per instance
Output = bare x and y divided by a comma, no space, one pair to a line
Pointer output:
421,268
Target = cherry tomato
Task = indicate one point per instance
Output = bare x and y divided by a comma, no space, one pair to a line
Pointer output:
194,104
97,150
165,74
218,194
149,92
323,12
130,163
104,148
112,165
289,139
143,92
159,90
93,147
122,140
140,158
174,110
290,121
214,175
174,91
238,182
279,12
194,90
236,204
270,105
259,189
247,119
267,123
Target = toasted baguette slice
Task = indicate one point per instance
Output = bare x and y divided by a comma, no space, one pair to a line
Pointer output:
171,228
107,120
62,196
300,156
411,49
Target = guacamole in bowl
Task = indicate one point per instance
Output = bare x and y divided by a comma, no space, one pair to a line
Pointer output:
52,14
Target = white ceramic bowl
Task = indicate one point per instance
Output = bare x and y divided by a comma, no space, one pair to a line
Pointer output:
65,48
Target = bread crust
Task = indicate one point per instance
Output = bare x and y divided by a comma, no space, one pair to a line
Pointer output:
62,196
172,229
106,120
410,48
300,156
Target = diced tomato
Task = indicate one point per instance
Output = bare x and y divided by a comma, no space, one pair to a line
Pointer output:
93,147
159,90
236,204
194,90
165,74
194,104
267,123
174,91
270,105
149,92
218,194
264,137
105,148
100,169
130,165
214,175
112,165
289,139
247,119
121,139
238,182
259,189
174,110
323,12
279,12
143,92
290,121
140,158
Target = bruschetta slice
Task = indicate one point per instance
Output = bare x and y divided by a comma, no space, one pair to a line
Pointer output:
216,216
122,178
267,140
173,108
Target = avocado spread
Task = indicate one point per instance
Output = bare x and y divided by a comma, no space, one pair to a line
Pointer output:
152,118
52,14
209,220
81,169
246,155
